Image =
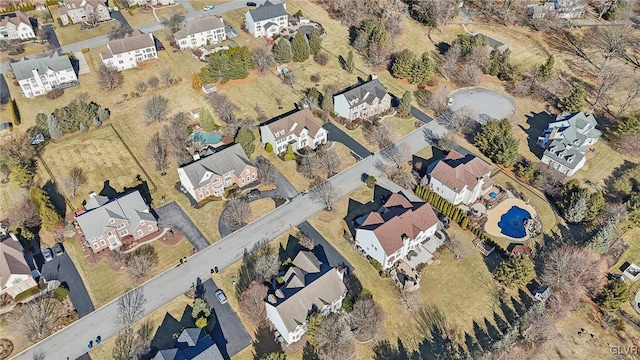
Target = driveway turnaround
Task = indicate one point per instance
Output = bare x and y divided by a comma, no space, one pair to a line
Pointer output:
62,268
336,134
228,333
171,215
72,340
333,256
484,103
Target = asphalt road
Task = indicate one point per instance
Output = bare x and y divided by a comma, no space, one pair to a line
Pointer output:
171,215
62,268
336,134
229,333
333,257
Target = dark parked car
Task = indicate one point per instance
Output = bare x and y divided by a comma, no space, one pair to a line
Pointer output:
253,194
221,296
48,256
250,3
57,249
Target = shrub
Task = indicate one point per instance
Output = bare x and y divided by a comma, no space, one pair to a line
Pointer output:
54,94
60,293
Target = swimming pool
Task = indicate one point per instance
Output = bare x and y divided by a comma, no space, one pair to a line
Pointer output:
512,222
205,138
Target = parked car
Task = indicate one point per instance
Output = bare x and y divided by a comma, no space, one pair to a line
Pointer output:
251,3
57,249
253,194
209,7
221,296
48,256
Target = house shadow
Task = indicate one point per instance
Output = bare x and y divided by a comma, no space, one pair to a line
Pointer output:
537,122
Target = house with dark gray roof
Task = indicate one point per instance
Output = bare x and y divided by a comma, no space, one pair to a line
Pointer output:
205,30
106,222
192,344
15,274
309,286
267,19
38,76
128,52
363,100
567,140
216,171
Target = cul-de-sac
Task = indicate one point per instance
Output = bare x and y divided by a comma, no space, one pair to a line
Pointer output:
319,179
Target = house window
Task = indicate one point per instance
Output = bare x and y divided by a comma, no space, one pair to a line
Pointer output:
103,243
140,232
150,227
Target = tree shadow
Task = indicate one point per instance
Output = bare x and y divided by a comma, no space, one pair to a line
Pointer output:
56,198
264,342
537,125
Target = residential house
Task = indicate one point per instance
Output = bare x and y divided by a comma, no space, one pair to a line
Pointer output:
562,9
362,101
567,140
128,52
205,30
460,179
39,76
212,174
192,344
16,26
267,19
309,285
106,222
298,129
89,11
396,228
15,273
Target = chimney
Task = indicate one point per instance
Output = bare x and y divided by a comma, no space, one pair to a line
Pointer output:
373,76
196,156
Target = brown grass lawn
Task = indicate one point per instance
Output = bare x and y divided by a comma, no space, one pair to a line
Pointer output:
174,307
105,284
260,207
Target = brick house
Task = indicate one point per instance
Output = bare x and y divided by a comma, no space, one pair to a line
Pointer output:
298,129
362,101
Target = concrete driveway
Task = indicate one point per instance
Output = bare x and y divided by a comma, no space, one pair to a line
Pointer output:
485,104
63,269
333,257
171,215
338,135
228,333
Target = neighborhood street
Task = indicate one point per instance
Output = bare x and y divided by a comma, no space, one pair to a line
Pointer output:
72,340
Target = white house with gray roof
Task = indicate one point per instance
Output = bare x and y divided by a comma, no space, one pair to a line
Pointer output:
205,30
40,75
362,101
267,20
106,222
128,52
566,141
213,173
309,285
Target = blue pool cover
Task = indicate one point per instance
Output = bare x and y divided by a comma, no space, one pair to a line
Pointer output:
512,222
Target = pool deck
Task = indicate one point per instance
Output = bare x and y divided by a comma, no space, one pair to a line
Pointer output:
493,217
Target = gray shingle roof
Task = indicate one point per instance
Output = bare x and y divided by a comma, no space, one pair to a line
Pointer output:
268,11
130,206
232,158
201,24
365,92
23,69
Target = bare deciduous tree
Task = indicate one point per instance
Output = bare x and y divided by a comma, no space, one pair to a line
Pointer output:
380,135
236,213
469,75
324,194
252,302
156,108
166,77
262,58
141,261
450,61
74,180
571,271
328,160
157,150
334,338
223,107
130,307
266,171
37,317
366,317
396,153
109,78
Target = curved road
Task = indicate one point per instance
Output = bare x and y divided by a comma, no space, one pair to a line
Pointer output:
72,340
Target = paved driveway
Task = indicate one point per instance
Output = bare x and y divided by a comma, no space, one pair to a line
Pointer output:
334,258
485,104
336,134
171,215
63,269
228,333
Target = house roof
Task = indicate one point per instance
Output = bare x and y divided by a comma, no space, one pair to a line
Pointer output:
268,11
198,25
397,218
130,207
365,92
15,19
230,159
12,261
136,41
457,171
293,124
192,344
23,69
303,291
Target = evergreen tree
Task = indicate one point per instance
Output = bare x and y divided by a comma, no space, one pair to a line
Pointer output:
404,108
403,64
515,272
246,139
315,41
546,69
327,101
207,121
614,294
574,102
282,52
15,112
422,69
348,62
54,127
496,141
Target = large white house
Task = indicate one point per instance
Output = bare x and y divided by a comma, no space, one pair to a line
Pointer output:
298,129
75,11
362,101
16,26
267,20
39,76
127,53
460,179
205,30
309,285
15,274
567,140
397,227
